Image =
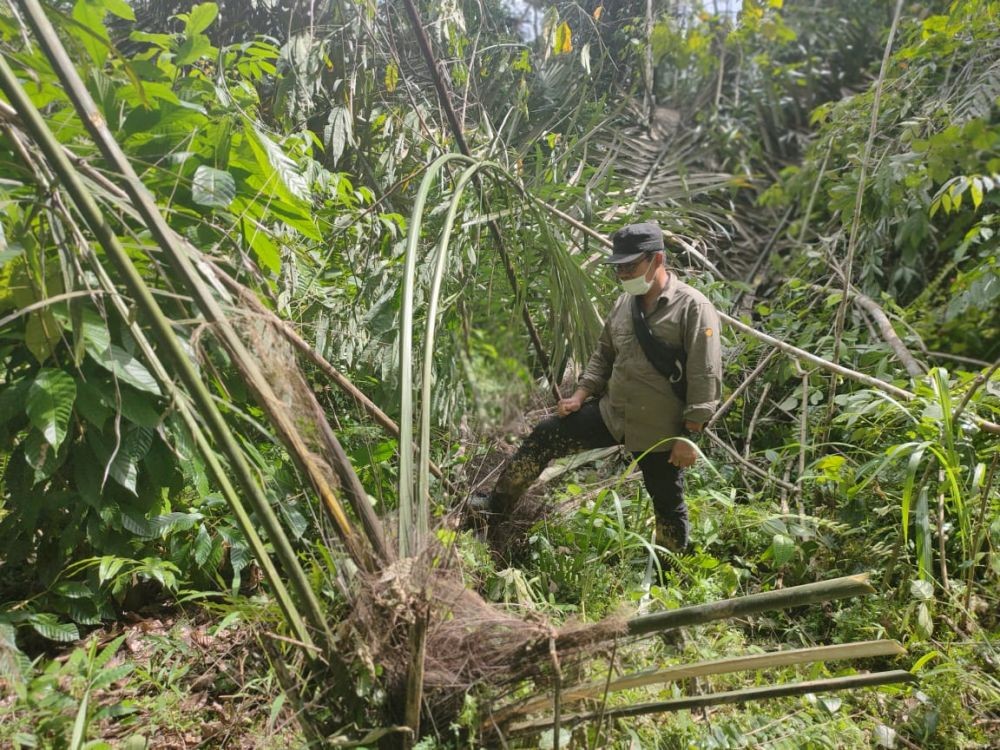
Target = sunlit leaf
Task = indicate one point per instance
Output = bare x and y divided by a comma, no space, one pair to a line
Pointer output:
49,404
214,188
564,39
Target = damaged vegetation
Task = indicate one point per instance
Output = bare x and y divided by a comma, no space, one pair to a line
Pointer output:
278,280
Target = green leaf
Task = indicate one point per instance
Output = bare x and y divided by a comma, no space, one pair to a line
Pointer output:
202,545
783,547
109,567
41,333
391,77
49,405
120,8
976,191
277,165
74,590
267,252
200,18
922,590
338,133
12,399
212,187
91,31
126,367
48,626
193,49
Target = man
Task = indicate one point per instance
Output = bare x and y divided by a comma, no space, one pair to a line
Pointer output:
624,399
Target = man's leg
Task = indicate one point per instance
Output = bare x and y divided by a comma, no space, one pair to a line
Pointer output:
665,484
552,438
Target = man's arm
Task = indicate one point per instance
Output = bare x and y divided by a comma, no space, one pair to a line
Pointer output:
598,371
704,365
595,375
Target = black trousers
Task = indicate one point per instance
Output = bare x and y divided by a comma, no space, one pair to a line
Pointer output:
555,437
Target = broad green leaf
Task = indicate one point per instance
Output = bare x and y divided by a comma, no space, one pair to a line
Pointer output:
976,191
200,18
267,252
41,334
48,626
49,404
120,8
12,397
339,132
73,590
109,567
137,524
123,365
124,466
212,187
193,49
91,30
922,590
277,165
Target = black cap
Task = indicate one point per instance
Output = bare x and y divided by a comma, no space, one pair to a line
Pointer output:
633,241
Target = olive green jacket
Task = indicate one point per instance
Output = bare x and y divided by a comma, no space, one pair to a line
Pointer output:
637,402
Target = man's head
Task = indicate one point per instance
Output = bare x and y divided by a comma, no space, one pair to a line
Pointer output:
637,256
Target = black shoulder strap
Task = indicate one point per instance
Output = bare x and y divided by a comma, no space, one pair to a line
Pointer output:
668,360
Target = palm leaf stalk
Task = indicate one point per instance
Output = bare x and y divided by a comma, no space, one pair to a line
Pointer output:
444,96
184,368
410,538
743,663
177,254
844,587
851,682
564,267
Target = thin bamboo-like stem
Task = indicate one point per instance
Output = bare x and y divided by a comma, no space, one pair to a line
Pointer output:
177,255
736,696
749,465
741,389
980,530
752,425
818,361
745,663
180,403
163,332
852,237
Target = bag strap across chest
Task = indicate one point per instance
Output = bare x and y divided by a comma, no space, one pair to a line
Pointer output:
666,359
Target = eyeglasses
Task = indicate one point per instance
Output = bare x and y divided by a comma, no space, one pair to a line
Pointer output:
626,269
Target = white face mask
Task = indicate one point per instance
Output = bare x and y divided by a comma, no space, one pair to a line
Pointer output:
636,286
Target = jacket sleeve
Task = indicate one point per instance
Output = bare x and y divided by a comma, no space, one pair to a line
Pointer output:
704,362
598,371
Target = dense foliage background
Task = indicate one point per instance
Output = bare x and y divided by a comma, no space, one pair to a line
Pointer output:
834,192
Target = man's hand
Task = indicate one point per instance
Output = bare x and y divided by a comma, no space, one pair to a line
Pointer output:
567,406
683,454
